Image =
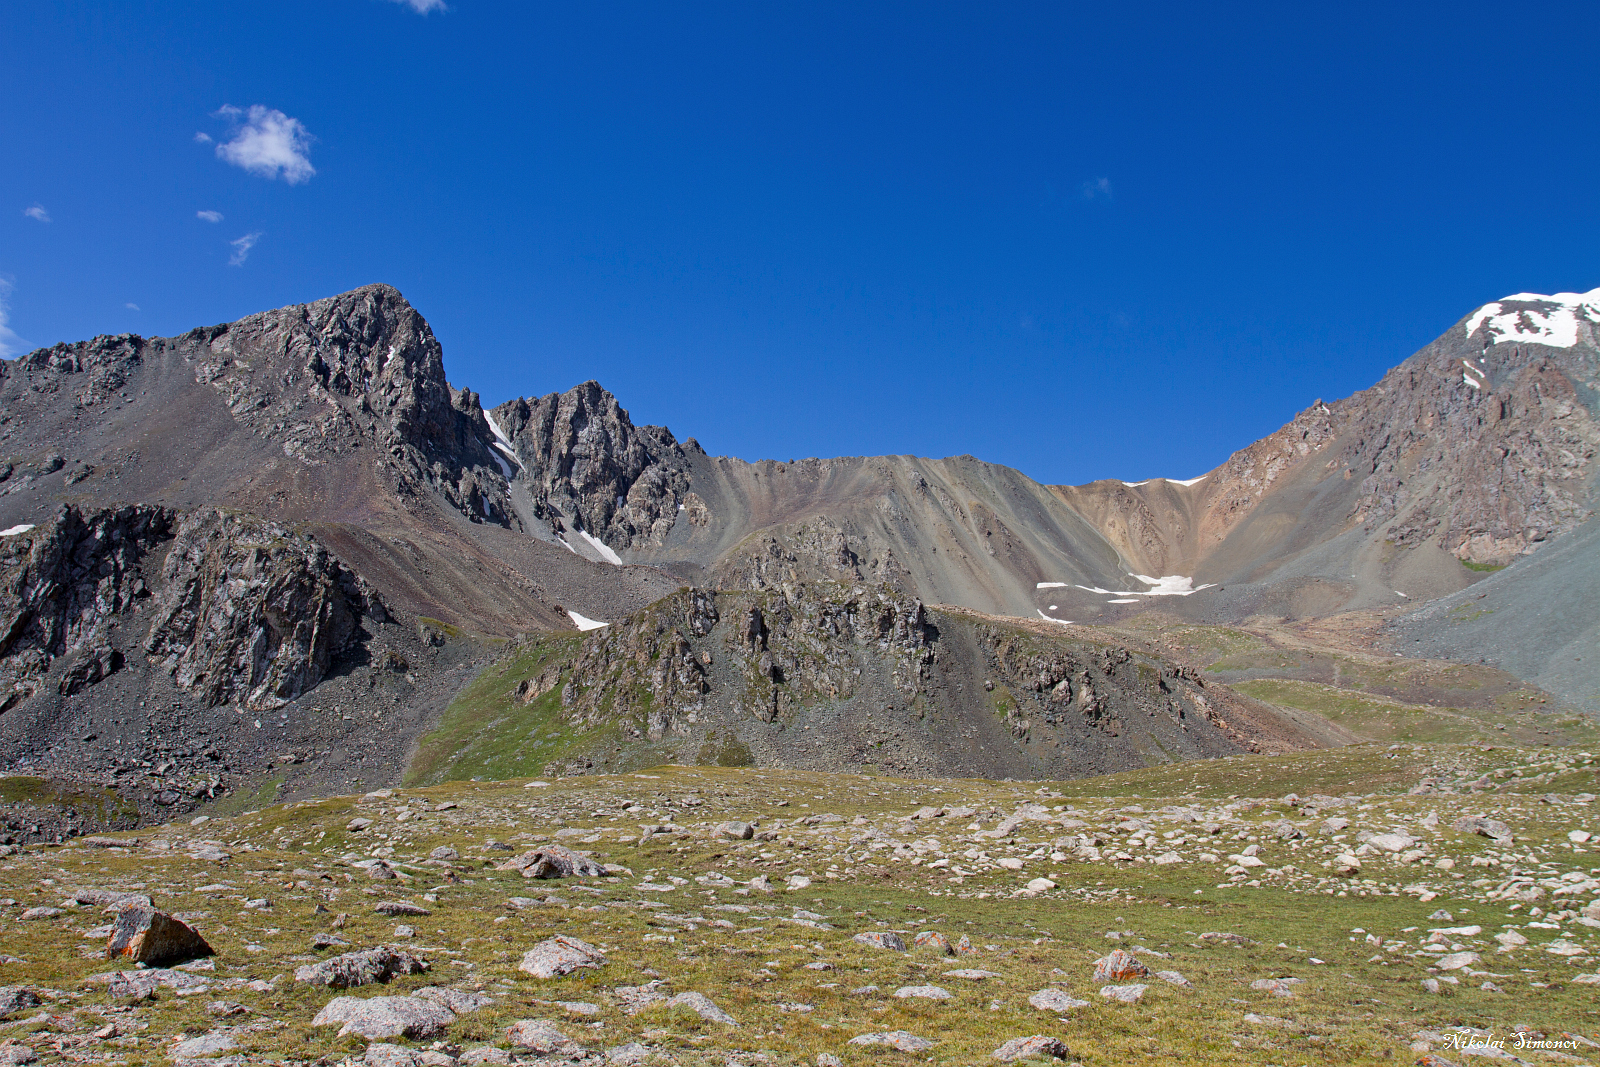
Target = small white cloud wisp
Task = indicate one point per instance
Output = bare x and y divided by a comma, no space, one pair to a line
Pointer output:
131,306
208,216
422,7
1099,188
268,143
10,344
37,213
242,247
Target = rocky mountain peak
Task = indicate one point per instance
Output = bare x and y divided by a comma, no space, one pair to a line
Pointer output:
591,471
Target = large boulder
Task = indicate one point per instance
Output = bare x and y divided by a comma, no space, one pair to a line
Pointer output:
145,935
540,1037
1119,966
881,939
554,861
558,956
383,1017
360,968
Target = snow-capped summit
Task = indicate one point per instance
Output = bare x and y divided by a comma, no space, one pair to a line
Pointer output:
1538,319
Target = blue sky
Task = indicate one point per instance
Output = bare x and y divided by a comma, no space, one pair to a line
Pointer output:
1082,240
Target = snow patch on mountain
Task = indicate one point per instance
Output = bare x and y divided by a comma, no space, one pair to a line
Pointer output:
1537,319
605,550
1174,481
584,623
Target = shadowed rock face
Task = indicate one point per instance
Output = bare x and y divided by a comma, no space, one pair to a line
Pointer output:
249,612
838,678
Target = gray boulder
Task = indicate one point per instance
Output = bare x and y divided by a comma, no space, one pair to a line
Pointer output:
702,1006
881,939
381,1017
558,956
15,998
360,968
1039,1046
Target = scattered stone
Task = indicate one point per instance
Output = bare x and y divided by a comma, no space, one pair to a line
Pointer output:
881,939
17,1054
1454,961
1478,824
444,852
972,973
560,955
1174,978
355,826
380,1017
360,968
15,998
736,831
702,1006
485,1054
895,1039
1055,1000
205,1045
554,861
1267,1020
1225,938
400,907
635,998
1040,885
923,992
226,1009
322,941
136,985
1278,987
33,914
827,1059
626,1055
145,935
1039,1046
934,939
459,1001
1119,966
381,1054
536,1035
1127,994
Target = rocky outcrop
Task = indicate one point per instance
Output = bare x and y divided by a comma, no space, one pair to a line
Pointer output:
62,584
588,468
252,612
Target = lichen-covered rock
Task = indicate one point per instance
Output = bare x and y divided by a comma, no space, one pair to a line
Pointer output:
1039,1046
145,935
1126,994
702,1006
1119,966
1483,826
553,861
383,1017
881,939
360,968
560,955
1055,1000
538,1036
899,1040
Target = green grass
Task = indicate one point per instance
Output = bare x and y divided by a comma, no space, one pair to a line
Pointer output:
95,802
1381,719
1471,566
486,733
1360,1006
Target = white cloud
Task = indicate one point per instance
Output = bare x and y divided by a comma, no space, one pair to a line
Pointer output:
1099,187
202,137
268,143
422,7
131,307
10,344
37,211
209,216
241,248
